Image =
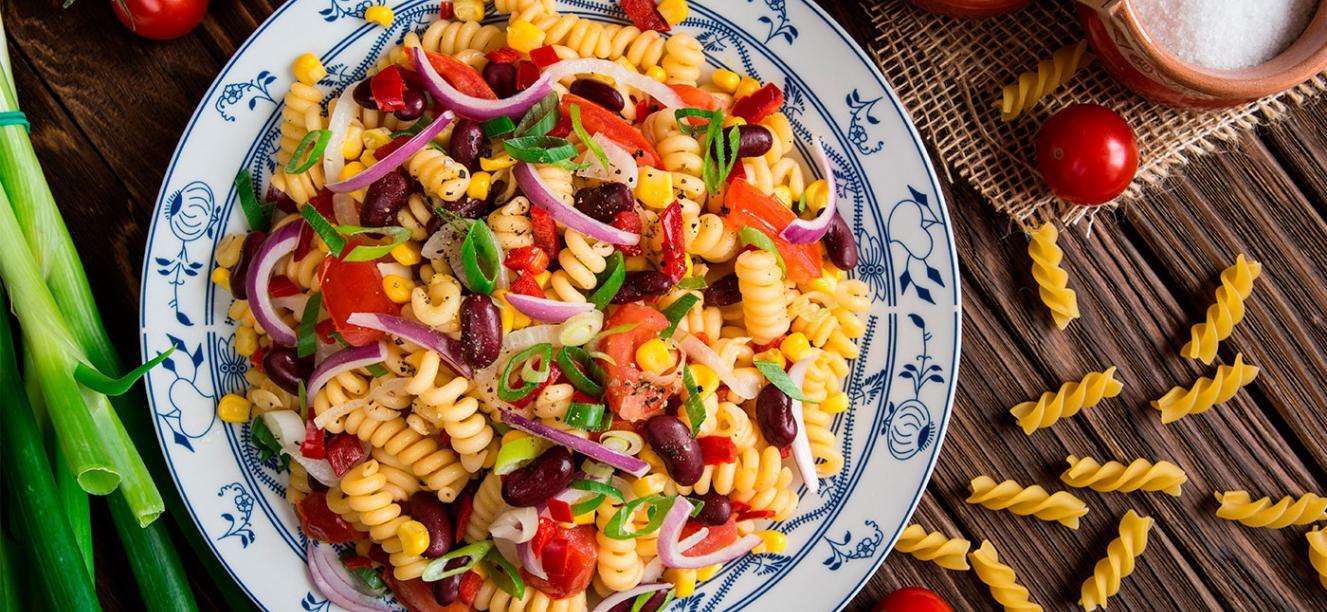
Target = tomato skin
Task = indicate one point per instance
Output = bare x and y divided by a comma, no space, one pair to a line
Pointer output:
718,537
461,76
160,19
747,206
694,97
354,286
912,599
1087,154
320,523
598,119
569,559
627,393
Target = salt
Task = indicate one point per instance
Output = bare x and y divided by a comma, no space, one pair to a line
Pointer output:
1224,34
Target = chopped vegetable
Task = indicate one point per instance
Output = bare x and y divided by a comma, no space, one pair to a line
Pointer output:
694,407
676,311
779,378
259,215
481,257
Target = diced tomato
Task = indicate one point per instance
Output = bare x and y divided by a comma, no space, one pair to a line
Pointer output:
629,221
628,393
320,523
256,359
466,507
545,231
417,595
446,9
530,259
718,537
553,374
388,89
644,14
569,557
324,330
647,107
343,452
784,452
281,286
461,76
544,56
525,284
747,206
505,55
672,248
715,450
760,104
357,562
526,74
755,515
354,286
313,445
599,120
560,510
695,97
391,145
470,584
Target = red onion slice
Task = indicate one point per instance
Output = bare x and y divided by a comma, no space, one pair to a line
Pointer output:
700,353
621,168
671,551
593,450
564,213
616,599
345,360
623,75
801,446
393,159
803,231
477,108
544,309
336,582
339,124
447,348
277,245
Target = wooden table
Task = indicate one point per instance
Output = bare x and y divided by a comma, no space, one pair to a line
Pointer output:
107,109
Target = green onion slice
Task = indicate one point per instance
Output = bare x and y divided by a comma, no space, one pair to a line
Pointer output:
777,377
335,243
611,283
310,151
616,329
437,569
584,416
504,574
480,258
376,370
540,118
694,407
516,453
498,126
800,205
589,504
719,161
693,283
505,391
714,116
540,149
590,144
595,486
258,214
89,377
571,166
575,362
303,398
751,236
370,252
676,311
618,526
415,128
307,339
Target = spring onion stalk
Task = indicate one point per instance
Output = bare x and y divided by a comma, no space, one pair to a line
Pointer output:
9,575
33,497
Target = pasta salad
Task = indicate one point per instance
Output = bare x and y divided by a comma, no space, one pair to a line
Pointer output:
548,316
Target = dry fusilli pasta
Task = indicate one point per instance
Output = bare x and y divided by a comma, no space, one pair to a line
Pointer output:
1207,392
1061,507
1069,400
1121,555
1225,313
1139,475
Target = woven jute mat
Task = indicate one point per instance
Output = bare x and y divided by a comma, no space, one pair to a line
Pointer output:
948,72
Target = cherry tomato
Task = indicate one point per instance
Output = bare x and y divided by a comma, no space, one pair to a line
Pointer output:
320,523
569,559
350,287
598,119
747,206
160,19
718,537
627,393
1087,154
913,599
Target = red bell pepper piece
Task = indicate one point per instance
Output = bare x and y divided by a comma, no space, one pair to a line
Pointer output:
505,55
320,523
560,510
312,446
598,119
645,15
357,562
545,56
755,515
759,104
467,508
525,284
673,248
446,10
526,74
470,584
545,231
545,534
388,89
282,286
461,76
256,359
530,259
715,450
628,221
553,375
343,452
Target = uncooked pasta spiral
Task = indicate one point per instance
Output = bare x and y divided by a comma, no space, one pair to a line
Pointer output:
452,37
583,258
1000,579
1052,279
714,240
1318,553
488,504
619,567
493,599
511,224
1062,507
1139,475
438,304
438,467
1072,397
1206,392
441,176
1121,555
683,58
764,305
949,553
1018,97
1225,313
1240,506
448,406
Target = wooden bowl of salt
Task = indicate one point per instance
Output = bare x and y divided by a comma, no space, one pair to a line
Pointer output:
1208,53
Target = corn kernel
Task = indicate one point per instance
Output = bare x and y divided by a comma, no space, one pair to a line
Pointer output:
512,319
771,541
542,279
836,402
308,69
817,195
746,87
246,341
683,580
826,283
674,11
656,73
733,121
784,195
654,188
468,10
376,137
407,253
352,148
480,182
367,158
637,263
649,485
380,15
707,572
414,538
626,63
351,169
493,164
706,378
795,346
584,519
397,289
691,267
221,276
774,355
654,356
234,408
524,36
727,80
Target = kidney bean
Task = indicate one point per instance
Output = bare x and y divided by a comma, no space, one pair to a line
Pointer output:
716,511
671,439
600,93
363,95
723,292
384,198
248,251
414,105
448,590
753,141
286,369
466,143
651,605
604,202
501,78
481,330
774,415
642,285
427,509
543,478
840,245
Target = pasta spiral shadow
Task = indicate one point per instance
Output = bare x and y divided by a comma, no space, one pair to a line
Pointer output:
1001,580
1051,278
1061,507
1068,401
949,553
1139,475
1239,506
1225,313
1121,556
1206,392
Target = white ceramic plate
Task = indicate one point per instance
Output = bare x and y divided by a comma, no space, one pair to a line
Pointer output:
902,387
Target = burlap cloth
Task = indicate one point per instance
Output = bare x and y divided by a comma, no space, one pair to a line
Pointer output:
948,73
